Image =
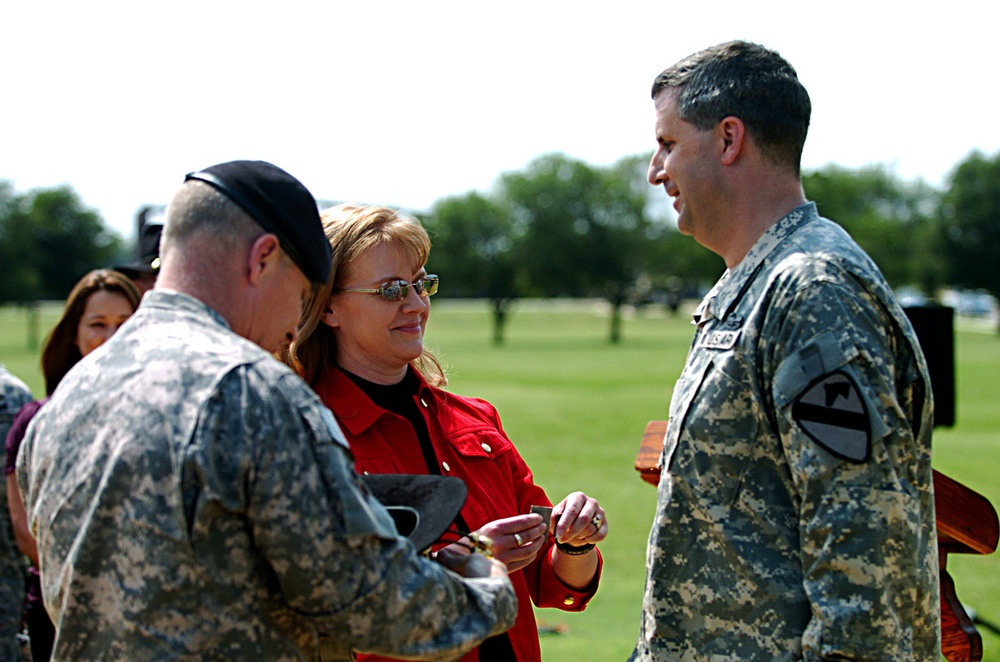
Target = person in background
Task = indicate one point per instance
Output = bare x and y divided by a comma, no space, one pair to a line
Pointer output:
146,265
13,395
795,515
360,345
192,497
97,306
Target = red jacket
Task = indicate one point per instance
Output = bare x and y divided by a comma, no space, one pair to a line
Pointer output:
470,443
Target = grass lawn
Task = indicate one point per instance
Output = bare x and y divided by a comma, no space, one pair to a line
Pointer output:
576,407
15,352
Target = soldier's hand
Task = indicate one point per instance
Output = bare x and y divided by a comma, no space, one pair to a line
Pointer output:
465,564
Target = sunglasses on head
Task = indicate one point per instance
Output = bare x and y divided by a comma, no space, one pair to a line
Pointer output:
398,289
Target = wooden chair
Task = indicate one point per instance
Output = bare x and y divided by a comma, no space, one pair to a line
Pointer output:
966,524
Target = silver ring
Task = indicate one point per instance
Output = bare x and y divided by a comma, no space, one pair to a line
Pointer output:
517,537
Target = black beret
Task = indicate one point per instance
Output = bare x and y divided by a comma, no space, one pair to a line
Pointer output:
281,205
422,506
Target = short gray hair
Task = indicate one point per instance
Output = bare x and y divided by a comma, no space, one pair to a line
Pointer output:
745,80
200,209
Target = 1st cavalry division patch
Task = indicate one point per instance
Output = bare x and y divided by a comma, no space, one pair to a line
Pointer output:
834,415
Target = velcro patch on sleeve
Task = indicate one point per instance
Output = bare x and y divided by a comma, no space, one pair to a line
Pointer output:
832,412
333,427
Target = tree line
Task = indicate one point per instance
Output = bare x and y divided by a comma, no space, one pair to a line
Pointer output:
48,240
561,227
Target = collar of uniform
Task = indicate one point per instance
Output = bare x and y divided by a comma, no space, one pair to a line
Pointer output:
708,308
728,289
174,301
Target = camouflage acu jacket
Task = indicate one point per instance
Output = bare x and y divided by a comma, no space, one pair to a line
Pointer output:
795,514
192,499
14,394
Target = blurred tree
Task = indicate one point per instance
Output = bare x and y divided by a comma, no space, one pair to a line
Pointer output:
970,217
680,267
48,240
579,230
21,282
929,259
68,239
891,220
473,241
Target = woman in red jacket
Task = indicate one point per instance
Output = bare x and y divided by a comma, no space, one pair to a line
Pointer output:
360,345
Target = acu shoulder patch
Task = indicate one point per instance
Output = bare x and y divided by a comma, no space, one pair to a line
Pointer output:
832,413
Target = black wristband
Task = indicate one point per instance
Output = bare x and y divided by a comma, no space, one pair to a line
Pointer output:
573,550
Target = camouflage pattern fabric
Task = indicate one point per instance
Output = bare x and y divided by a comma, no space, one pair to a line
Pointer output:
192,499
795,515
14,394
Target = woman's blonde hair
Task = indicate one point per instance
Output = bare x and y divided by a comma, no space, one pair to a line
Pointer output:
353,230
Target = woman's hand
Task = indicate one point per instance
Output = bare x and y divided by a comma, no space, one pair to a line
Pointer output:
580,520
516,540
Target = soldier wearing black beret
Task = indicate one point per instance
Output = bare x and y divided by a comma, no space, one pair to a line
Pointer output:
192,496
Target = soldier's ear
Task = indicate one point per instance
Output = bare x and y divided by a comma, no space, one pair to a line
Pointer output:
263,257
732,134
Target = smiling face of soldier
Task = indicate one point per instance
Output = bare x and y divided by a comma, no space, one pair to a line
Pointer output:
685,164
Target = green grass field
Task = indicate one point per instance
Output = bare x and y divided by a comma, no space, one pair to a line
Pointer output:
576,406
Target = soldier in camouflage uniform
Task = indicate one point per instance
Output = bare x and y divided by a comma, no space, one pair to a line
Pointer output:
14,394
191,497
795,515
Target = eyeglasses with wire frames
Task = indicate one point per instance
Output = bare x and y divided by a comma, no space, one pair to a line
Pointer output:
398,289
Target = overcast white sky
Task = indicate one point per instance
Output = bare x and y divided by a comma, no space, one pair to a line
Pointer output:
406,102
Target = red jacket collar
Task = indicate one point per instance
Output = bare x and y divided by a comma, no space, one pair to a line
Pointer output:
353,408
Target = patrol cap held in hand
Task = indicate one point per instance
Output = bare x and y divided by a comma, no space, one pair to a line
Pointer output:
280,204
422,506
